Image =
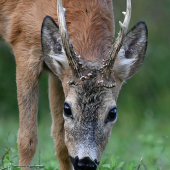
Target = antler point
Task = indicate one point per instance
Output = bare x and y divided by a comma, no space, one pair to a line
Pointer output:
124,13
121,24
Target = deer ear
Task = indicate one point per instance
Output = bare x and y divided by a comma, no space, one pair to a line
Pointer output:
52,48
132,53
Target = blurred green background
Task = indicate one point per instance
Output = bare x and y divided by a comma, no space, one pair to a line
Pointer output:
143,126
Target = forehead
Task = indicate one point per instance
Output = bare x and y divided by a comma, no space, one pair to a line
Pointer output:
89,96
89,92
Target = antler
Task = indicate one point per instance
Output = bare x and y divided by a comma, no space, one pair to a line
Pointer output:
110,60
72,57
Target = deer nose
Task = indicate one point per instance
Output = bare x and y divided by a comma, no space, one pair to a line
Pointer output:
84,164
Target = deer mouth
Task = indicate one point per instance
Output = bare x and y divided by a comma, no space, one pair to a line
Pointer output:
84,164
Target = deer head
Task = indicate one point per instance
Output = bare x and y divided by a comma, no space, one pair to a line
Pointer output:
91,88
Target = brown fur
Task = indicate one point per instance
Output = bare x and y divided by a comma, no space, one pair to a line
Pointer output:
56,97
88,22
90,25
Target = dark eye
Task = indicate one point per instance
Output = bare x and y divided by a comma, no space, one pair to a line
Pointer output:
67,110
112,115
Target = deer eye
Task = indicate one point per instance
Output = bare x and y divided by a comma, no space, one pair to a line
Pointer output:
112,115
67,110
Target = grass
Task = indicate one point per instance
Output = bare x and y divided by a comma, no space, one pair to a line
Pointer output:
129,143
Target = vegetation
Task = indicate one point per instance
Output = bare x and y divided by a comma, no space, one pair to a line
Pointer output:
142,129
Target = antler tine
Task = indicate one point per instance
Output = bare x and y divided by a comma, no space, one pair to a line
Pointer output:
109,62
125,25
127,16
123,30
68,47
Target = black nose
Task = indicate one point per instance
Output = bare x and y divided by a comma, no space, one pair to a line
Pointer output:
84,164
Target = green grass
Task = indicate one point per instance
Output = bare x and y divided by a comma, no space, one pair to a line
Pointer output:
129,142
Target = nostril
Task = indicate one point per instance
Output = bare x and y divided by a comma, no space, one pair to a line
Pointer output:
87,164
81,164
74,161
84,164
91,165
97,163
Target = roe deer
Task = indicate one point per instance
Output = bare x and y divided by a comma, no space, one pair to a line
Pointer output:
84,80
